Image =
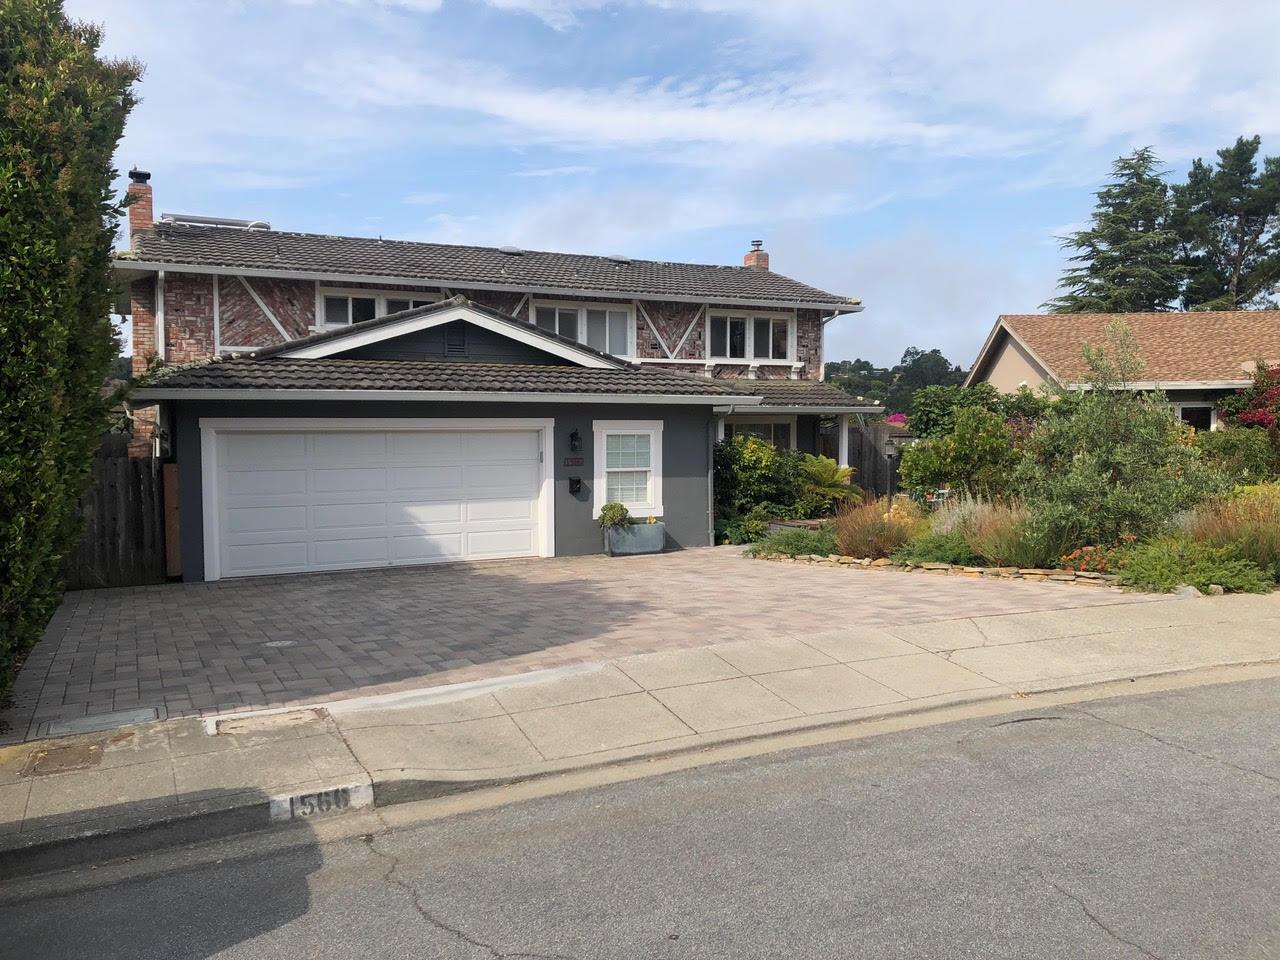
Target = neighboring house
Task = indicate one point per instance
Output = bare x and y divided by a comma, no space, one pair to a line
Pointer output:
381,402
1195,358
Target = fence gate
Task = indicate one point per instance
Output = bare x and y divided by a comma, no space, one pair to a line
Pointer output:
123,516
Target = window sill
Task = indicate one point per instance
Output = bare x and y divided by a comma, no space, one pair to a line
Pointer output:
737,362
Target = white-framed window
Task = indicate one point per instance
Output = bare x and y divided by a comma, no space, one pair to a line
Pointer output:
340,308
628,465
1202,416
779,431
750,337
607,327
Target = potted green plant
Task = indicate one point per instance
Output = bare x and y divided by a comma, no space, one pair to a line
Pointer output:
624,536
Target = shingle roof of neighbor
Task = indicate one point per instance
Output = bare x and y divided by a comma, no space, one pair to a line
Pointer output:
1189,347
337,373
233,247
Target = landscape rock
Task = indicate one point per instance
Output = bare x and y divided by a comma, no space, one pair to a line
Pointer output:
1216,590
1186,590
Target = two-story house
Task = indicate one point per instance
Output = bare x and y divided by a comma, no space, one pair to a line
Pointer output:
337,402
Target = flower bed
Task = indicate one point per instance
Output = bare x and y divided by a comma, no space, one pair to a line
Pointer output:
1084,577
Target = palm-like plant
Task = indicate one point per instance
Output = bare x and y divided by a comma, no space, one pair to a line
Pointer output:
827,478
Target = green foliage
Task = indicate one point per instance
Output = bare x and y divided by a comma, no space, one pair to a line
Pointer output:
1161,565
934,408
1258,405
1009,535
1127,259
1227,217
750,526
877,528
750,471
615,515
895,386
975,456
63,113
826,484
797,542
934,547
1243,455
1248,523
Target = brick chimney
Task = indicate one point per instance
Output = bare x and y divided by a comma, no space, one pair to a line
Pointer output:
756,258
140,215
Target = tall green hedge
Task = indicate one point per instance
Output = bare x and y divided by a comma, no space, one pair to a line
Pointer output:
62,112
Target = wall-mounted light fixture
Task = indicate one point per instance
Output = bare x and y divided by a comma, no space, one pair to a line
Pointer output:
575,441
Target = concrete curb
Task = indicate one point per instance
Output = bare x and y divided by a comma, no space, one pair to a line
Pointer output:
152,828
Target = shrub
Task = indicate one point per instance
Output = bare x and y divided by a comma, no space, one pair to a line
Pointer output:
615,515
934,547
64,110
750,526
975,457
933,408
826,484
797,542
1244,455
1089,559
957,514
1161,565
1258,405
877,528
749,472
1009,535
1248,525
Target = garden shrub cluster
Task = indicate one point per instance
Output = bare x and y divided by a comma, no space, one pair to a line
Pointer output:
756,482
1104,479
877,528
798,542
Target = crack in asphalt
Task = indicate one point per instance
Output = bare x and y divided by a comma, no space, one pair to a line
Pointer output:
391,877
1097,922
1173,744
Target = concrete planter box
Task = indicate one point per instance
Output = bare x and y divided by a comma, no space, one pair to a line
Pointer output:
636,538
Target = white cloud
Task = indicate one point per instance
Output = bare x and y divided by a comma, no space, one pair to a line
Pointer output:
573,170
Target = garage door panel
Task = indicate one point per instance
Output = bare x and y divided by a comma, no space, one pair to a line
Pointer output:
490,446
327,500
329,516
348,479
430,447
442,478
266,519
356,446
264,448
269,483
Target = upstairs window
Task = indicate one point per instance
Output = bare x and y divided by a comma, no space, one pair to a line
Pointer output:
339,308
749,338
602,327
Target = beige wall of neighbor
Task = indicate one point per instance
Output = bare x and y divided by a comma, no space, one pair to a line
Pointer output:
1012,367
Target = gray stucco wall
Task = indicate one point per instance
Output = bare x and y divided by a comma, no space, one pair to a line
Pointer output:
686,450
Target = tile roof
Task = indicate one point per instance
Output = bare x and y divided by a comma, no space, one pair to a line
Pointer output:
800,394
1199,346
447,264
338,373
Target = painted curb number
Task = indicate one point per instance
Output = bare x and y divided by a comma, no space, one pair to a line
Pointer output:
304,806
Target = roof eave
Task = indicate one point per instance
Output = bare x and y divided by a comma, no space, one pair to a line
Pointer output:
128,264
149,395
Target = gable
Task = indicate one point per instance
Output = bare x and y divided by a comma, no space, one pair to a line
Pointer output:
458,341
456,323
1010,365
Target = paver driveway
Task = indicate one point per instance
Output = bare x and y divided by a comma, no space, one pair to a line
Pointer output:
187,649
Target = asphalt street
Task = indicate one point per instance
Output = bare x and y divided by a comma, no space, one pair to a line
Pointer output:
1140,826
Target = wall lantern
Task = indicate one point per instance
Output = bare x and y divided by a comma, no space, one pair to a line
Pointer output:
575,441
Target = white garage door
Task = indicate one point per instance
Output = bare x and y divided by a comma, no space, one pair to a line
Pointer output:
300,500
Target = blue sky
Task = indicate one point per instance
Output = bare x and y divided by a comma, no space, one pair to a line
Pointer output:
922,158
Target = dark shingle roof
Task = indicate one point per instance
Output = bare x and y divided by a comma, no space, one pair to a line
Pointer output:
337,373
800,394
448,264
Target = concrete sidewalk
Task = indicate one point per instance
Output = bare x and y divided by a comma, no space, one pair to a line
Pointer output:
144,786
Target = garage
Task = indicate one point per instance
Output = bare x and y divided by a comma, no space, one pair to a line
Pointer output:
297,496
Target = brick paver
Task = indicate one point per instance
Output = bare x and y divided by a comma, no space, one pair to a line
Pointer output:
198,649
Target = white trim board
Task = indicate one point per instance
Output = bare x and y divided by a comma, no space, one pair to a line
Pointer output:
532,337
152,394
126,264
262,305
212,427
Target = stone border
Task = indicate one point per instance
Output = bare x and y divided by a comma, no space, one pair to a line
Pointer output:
1086,578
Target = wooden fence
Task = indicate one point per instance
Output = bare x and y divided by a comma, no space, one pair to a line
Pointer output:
124,522
873,471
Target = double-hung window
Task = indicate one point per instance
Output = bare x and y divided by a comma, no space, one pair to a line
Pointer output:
628,465
749,338
602,327
340,308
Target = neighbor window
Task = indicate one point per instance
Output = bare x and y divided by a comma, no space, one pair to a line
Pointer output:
599,326
749,338
780,433
1201,416
628,465
340,308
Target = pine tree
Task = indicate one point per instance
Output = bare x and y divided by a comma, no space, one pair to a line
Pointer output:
1127,260
1227,216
